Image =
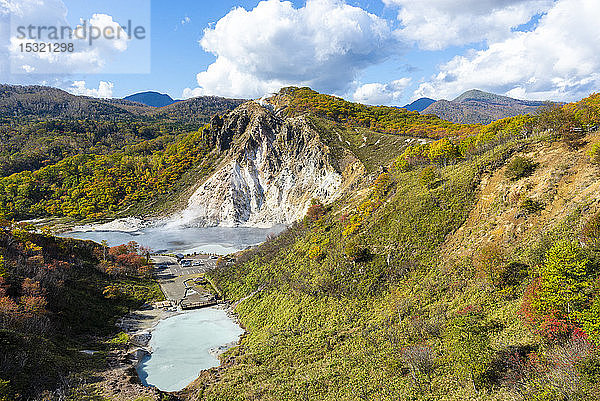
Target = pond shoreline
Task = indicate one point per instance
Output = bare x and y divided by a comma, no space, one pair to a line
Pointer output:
141,324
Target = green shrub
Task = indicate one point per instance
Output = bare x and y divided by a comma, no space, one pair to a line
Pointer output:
520,167
565,281
468,346
590,320
120,339
531,206
594,153
430,178
356,252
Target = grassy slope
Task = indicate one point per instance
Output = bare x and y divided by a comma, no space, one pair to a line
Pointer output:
323,327
372,148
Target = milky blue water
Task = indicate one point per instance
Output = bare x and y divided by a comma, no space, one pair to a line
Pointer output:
218,240
181,344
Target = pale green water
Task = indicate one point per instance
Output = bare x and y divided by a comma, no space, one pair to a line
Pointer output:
180,347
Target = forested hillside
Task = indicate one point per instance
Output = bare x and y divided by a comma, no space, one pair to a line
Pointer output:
26,103
469,270
96,185
390,120
65,155
35,144
59,297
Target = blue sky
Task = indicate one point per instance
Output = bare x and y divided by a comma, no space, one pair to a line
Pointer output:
177,57
373,51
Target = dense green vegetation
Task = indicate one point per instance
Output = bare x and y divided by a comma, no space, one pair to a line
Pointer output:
95,186
519,167
57,297
35,144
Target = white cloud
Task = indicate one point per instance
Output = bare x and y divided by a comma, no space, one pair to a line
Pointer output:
323,45
378,93
104,89
558,60
436,24
186,20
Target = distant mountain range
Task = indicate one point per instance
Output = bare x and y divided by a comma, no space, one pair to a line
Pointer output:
476,106
419,104
151,98
471,107
40,102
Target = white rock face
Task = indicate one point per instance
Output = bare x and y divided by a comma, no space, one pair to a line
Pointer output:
272,171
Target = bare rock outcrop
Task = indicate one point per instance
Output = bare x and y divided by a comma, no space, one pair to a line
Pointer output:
272,169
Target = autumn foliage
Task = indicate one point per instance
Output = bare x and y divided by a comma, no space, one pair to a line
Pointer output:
315,211
562,300
390,120
129,259
33,272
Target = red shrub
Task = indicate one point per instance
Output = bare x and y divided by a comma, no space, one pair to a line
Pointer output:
31,288
553,327
315,211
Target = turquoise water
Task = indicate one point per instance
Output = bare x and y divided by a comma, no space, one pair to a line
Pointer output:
181,344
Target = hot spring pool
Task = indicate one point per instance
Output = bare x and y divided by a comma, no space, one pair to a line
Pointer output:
218,240
181,347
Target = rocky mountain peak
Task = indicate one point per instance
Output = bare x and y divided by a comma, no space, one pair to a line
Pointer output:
271,169
244,120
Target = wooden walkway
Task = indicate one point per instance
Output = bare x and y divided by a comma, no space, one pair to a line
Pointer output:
198,304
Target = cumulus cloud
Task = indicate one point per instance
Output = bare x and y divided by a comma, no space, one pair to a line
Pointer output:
323,45
436,24
557,60
378,93
104,90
